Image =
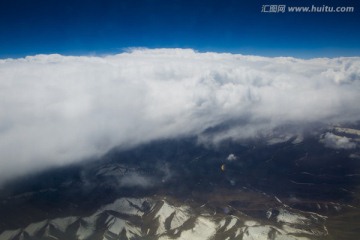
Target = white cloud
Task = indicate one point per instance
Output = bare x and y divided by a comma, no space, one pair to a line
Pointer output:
56,109
331,140
231,157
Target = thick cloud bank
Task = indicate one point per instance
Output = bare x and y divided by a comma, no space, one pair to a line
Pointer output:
56,109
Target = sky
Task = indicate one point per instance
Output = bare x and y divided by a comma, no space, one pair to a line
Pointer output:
106,27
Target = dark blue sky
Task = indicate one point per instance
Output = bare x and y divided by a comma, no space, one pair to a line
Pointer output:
107,26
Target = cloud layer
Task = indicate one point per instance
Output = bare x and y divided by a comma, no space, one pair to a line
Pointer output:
331,140
57,109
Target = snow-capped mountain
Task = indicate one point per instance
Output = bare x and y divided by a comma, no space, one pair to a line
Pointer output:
157,218
298,187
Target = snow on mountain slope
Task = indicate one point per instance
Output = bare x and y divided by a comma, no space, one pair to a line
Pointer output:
163,219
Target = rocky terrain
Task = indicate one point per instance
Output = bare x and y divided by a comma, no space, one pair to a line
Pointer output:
284,187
